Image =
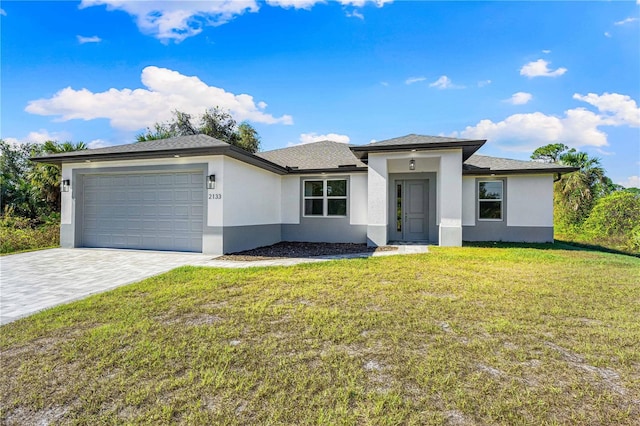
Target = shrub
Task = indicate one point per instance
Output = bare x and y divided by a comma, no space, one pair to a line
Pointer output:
20,233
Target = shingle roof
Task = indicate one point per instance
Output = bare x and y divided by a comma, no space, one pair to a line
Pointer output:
314,156
418,143
480,164
171,144
414,139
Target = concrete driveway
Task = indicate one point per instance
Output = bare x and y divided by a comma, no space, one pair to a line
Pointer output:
31,282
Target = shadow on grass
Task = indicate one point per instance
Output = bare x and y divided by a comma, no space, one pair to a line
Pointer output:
557,245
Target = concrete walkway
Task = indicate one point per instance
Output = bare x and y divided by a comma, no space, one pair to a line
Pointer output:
31,282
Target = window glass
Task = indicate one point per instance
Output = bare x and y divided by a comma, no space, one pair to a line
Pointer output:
336,188
337,207
313,188
490,209
490,200
313,207
490,190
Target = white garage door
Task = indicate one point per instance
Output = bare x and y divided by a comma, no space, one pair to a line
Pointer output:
153,211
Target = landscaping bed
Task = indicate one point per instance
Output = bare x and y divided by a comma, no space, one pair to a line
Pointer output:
289,249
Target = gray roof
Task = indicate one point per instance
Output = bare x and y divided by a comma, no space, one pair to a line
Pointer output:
481,164
171,144
418,143
314,156
414,139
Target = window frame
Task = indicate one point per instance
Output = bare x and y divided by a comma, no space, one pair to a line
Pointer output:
325,197
501,200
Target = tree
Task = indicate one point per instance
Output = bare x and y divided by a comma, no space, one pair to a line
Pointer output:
45,178
28,189
215,122
549,153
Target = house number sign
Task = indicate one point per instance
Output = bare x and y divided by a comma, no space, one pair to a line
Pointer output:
215,196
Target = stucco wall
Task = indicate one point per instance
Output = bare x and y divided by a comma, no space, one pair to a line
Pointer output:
468,201
530,200
251,196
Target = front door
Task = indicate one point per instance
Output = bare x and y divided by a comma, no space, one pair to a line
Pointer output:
411,208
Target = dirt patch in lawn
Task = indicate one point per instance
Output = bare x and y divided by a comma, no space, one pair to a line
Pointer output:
289,249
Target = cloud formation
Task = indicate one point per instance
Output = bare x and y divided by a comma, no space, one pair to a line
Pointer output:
39,137
631,182
519,98
484,83
625,21
166,90
540,68
412,80
314,137
178,20
93,39
2,12
444,82
578,127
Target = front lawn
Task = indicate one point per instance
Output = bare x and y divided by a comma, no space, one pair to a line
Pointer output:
462,336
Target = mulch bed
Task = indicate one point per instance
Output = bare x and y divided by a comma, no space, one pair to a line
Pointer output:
296,250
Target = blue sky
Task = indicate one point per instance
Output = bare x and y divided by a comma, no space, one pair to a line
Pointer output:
518,74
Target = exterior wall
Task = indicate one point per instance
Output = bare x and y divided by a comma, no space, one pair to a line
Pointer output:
251,200
527,210
349,229
377,200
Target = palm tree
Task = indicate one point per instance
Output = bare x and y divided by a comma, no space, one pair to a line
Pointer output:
45,178
579,190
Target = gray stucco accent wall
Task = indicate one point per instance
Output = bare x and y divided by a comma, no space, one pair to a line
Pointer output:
239,238
328,230
497,230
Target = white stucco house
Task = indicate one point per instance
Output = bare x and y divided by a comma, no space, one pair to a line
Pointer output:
196,193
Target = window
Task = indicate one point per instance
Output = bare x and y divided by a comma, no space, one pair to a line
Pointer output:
325,197
490,200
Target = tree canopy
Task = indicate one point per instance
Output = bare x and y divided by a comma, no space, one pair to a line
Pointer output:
215,122
31,189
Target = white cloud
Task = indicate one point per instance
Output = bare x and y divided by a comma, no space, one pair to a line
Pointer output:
314,137
2,12
39,137
625,21
134,109
578,127
484,83
616,109
355,14
444,82
93,39
412,80
384,83
607,34
519,98
546,51
631,182
540,68
295,4
98,143
178,20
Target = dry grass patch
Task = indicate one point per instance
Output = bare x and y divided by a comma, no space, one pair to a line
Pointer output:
458,336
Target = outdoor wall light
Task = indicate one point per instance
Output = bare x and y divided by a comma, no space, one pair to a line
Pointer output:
412,164
211,182
65,185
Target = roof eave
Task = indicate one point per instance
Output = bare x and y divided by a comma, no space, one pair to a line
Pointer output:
486,171
350,169
468,148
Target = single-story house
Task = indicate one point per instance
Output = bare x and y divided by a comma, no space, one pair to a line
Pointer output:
197,193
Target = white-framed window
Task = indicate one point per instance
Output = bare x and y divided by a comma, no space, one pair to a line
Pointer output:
325,197
490,199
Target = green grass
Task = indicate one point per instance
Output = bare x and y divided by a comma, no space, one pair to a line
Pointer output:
470,335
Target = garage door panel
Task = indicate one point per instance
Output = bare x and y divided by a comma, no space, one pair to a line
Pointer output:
162,211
